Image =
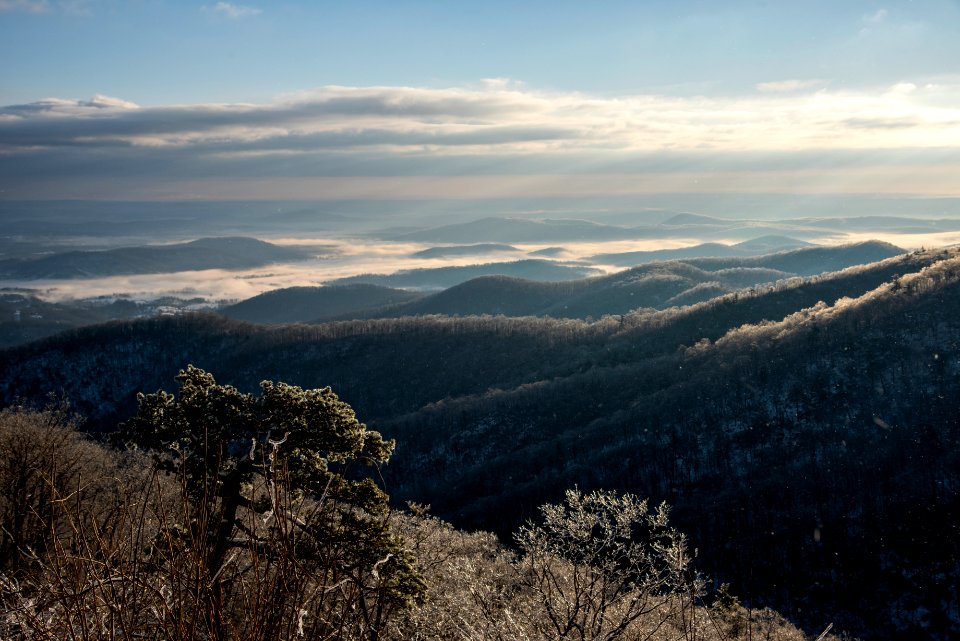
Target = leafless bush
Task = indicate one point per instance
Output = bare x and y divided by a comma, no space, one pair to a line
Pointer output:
139,570
603,566
43,459
597,566
472,582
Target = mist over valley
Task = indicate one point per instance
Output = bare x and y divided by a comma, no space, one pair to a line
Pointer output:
62,281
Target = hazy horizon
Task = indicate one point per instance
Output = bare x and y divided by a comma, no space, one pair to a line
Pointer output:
186,101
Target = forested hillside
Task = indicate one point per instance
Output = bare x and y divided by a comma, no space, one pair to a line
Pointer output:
804,432
819,452
293,304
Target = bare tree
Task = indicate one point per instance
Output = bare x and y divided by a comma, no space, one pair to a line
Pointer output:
604,566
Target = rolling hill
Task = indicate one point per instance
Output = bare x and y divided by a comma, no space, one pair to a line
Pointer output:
477,249
443,277
653,286
300,304
205,253
808,261
656,285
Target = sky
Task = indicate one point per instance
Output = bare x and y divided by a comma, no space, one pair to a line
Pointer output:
414,99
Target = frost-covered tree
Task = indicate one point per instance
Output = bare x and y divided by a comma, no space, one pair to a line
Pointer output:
279,475
605,566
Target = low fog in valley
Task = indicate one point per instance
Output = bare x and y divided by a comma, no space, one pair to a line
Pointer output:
372,247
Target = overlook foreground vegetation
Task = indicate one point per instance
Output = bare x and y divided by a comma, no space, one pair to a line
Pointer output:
226,532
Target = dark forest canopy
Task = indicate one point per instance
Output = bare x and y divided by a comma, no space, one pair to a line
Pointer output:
300,304
805,430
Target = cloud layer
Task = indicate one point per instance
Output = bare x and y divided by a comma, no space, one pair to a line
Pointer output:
234,11
28,6
498,128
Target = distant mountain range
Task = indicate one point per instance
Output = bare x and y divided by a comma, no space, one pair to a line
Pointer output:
651,286
754,247
516,230
684,225
875,224
809,260
684,218
463,250
520,288
548,252
205,253
443,277
659,285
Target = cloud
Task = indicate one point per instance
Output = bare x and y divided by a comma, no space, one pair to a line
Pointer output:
876,17
108,102
903,88
500,120
871,21
76,7
496,128
27,6
234,11
501,83
67,7
785,86
892,31
879,123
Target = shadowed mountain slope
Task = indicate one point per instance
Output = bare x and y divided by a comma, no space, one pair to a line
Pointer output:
771,243
490,295
130,345
821,451
301,304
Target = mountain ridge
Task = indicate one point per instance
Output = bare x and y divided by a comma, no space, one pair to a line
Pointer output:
229,252
654,285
